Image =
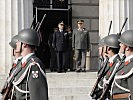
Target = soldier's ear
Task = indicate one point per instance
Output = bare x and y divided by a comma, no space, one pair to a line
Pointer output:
127,48
25,45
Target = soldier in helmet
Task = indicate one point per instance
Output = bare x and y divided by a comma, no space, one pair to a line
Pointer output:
123,81
112,45
17,60
17,55
30,83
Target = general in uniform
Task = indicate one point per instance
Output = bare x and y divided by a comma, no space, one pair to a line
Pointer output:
61,43
80,43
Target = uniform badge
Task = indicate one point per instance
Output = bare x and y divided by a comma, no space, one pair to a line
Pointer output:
35,74
111,64
127,62
14,65
24,64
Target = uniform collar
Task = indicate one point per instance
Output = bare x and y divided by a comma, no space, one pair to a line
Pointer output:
128,58
26,57
112,58
80,29
16,60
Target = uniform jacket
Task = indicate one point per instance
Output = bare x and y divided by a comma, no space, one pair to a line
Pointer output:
80,39
124,78
61,41
34,81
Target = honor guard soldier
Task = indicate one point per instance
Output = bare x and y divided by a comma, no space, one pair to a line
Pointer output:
80,43
123,82
112,45
30,82
99,88
60,43
17,55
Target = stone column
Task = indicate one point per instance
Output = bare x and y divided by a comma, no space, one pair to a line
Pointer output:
2,37
8,50
117,11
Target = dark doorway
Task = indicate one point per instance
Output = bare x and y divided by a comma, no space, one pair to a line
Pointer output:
53,17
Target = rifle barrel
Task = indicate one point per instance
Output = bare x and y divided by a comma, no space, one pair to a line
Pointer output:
123,26
41,22
110,27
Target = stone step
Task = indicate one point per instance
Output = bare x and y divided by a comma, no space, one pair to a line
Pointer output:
71,75
65,91
71,82
71,97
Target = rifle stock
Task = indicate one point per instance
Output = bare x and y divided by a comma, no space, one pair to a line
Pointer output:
7,90
99,78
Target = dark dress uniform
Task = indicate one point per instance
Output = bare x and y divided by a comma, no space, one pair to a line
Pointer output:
61,42
53,58
30,79
123,83
80,42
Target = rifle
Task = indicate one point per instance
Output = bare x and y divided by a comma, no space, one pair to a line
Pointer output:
110,80
123,26
32,22
99,77
7,89
41,22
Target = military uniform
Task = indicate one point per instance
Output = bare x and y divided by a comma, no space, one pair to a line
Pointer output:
80,42
53,58
112,42
30,82
122,88
30,79
61,42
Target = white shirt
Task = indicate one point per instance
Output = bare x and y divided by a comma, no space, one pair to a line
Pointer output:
60,30
16,60
128,58
26,57
112,58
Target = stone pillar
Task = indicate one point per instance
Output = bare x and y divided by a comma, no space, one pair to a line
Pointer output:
8,50
2,37
117,11
14,13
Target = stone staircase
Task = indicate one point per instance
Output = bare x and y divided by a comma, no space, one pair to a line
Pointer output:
70,85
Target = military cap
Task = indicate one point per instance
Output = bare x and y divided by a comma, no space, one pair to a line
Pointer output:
127,38
80,21
61,23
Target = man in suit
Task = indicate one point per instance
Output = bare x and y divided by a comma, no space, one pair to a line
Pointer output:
30,82
80,43
122,88
60,43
